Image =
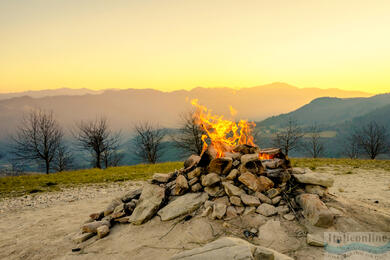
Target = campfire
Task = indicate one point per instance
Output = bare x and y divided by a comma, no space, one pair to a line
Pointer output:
231,178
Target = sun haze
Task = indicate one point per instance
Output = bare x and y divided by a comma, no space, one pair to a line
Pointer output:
170,45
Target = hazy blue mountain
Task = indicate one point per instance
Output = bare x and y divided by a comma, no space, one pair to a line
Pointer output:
50,93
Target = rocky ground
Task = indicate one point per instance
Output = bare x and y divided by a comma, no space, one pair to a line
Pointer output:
42,226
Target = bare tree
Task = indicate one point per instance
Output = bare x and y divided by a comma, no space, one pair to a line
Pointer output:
96,137
64,159
37,139
147,142
351,146
290,137
313,145
112,158
372,138
189,138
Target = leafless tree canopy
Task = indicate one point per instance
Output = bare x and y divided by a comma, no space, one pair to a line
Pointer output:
147,143
97,138
351,146
38,139
189,138
289,138
64,160
372,139
313,145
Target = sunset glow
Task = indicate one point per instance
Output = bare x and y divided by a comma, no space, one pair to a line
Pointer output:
171,45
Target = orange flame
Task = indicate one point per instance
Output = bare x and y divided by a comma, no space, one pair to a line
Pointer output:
223,134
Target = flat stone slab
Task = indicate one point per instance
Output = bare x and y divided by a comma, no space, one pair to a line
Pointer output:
230,248
314,178
148,204
183,205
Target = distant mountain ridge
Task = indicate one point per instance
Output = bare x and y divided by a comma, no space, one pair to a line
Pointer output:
333,111
125,107
50,93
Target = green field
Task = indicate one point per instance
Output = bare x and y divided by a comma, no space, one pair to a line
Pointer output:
35,183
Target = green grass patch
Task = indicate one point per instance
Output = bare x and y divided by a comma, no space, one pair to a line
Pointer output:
349,163
35,183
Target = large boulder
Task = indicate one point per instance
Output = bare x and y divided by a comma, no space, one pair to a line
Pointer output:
314,178
230,248
151,198
183,205
315,210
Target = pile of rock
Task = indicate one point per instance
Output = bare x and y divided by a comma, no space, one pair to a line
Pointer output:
248,180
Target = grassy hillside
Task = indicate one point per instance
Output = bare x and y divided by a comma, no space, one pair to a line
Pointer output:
28,184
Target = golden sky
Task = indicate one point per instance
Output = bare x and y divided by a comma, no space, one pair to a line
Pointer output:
182,44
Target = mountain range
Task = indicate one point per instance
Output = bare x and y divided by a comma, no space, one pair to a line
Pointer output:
125,107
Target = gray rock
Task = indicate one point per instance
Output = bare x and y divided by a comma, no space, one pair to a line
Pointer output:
235,200
215,191
191,161
230,213
315,210
223,200
195,173
193,181
93,226
196,187
207,211
230,248
219,210
162,177
249,210
276,200
266,210
111,207
102,231
253,220
272,193
233,174
221,165
210,179
315,189
133,194
314,178
151,198
289,216
183,205
263,198
315,240
240,210
250,200
81,237
181,182
251,163
282,209
231,189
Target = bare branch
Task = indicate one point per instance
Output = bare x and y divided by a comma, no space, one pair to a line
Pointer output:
290,137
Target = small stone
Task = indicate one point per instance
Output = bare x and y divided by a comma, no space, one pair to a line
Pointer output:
221,165
276,200
93,226
81,237
250,200
249,210
191,161
181,182
253,221
249,180
315,189
208,203
315,210
97,216
314,240
223,200
266,210
314,178
240,210
123,220
263,198
111,207
215,191
231,189
210,179
289,217
207,211
195,173
196,187
133,194
230,213
102,231
272,193
251,163
264,184
282,210
193,181
235,200
219,211
233,174
162,177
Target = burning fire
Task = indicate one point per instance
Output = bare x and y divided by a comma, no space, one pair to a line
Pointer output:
222,134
